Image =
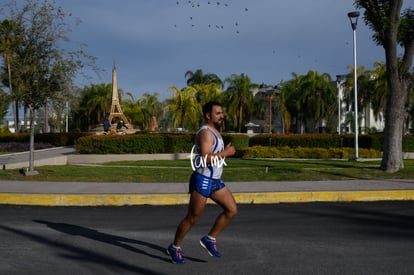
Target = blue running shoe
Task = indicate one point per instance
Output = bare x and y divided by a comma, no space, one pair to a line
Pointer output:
210,245
176,254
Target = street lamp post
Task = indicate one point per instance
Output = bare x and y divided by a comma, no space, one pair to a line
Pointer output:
353,18
340,79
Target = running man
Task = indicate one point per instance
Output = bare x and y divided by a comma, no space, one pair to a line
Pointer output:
205,182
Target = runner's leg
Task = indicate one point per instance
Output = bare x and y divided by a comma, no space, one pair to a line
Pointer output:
195,209
225,199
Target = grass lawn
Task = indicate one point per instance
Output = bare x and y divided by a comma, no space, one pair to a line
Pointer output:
236,170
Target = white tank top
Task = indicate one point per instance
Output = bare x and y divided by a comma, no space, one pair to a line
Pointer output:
215,169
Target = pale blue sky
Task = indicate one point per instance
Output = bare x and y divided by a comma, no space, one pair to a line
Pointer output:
154,42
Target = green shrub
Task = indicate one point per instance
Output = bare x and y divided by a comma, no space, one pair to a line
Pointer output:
135,144
306,153
340,146
55,139
237,140
318,140
408,144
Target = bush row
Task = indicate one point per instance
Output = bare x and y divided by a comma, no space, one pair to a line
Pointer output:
146,143
89,143
54,139
305,153
374,141
317,140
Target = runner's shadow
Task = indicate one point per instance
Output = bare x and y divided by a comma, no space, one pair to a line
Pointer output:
109,239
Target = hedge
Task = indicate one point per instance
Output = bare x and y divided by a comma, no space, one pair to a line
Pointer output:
146,143
306,153
55,139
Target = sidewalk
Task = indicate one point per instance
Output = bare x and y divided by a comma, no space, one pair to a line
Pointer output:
119,194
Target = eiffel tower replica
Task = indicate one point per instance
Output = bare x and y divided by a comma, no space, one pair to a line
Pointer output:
116,113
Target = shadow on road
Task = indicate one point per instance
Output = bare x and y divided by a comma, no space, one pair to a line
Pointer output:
109,239
80,254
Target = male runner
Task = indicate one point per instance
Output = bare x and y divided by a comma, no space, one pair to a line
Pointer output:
205,182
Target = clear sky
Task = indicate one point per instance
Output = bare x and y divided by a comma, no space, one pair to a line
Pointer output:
154,42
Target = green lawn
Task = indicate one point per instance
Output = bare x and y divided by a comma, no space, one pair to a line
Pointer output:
236,170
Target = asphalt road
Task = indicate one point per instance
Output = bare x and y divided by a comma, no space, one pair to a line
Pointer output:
306,238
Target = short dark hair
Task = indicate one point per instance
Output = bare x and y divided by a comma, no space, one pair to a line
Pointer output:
208,107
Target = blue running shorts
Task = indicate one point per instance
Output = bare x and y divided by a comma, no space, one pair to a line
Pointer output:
204,185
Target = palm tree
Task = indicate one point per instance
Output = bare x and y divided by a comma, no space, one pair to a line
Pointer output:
318,94
94,105
151,109
378,98
239,99
207,92
290,92
365,88
281,100
99,103
185,108
207,86
198,77
133,110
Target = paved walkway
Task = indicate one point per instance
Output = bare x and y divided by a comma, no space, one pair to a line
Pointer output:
104,193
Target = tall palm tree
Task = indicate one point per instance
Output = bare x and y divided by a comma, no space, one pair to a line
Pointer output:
185,108
378,98
151,109
198,77
365,88
133,111
99,103
207,92
281,100
94,105
318,94
206,86
291,92
239,99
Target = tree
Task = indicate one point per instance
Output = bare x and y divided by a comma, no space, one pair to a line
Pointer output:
198,77
378,87
207,86
281,100
365,94
151,109
9,42
207,92
393,29
133,110
94,105
42,65
186,110
317,94
239,99
290,92
4,104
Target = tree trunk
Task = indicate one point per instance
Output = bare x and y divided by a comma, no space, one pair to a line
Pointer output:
15,108
392,159
31,171
240,117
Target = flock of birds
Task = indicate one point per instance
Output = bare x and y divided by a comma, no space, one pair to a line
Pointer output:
199,4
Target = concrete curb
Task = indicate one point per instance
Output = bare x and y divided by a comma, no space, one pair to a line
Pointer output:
180,199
